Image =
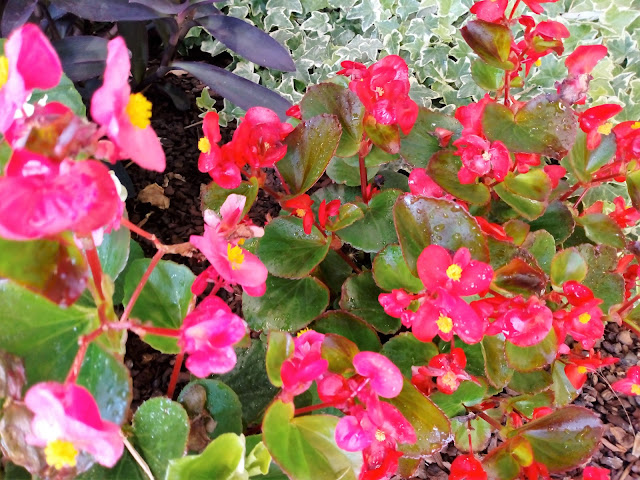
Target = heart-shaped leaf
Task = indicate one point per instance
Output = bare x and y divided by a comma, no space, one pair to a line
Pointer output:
491,41
530,382
302,253
213,195
497,369
602,229
349,326
568,265
390,271
443,169
544,125
486,76
360,297
557,220
164,300
542,246
423,221
387,137
527,193
160,428
375,231
304,447
520,278
527,359
287,305
344,104
468,393
309,148
405,351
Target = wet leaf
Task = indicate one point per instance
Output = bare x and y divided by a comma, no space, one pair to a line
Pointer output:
520,278
443,169
602,229
418,147
495,361
530,382
360,297
527,359
557,220
601,277
390,271
480,434
468,393
568,265
339,352
405,351
491,41
349,326
527,193
487,77
386,137
279,347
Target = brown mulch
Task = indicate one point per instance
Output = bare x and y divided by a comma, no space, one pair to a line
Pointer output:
181,181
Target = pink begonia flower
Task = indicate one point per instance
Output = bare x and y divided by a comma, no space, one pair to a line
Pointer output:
449,370
593,122
29,62
230,224
384,377
489,10
41,197
420,183
523,323
305,365
467,467
629,385
126,116
459,275
208,334
596,473
482,158
67,421
584,321
555,174
395,303
526,160
217,162
445,316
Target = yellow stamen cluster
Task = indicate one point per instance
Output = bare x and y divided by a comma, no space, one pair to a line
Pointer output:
60,454
449,379
454,272
605,128
445,324
635,125
584,317
204,145
582,369
303,331
635,389
380,436
300,212
235,256
537,63
379,91
4,70
139,110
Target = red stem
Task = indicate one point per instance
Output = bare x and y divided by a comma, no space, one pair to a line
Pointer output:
507,84
349,261
629,303
363,177
96,269
513,10
83,343
312,408
143,233
575,205
177,366
136,293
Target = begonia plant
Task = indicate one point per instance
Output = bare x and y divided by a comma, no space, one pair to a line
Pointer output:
458,293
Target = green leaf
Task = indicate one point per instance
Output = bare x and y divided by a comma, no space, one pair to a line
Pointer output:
422,221
568,265
164,300
487,77
375,231
405,351
527,193
468,393
213,195
333,271
309,148
339,352
360,297
43,334
601,277
386,137
530,382
500,463
526,404
221,402
280,347
542,246
543,125
520,278
258,458
433,430
557,220
602,229
480,434
349,326
344,104
342,171
563,390
582,162
565,438
250,381
223,459
109,382
287,305
495,361
302,252
390,271
535,357
633,186
126,469
491,41
114,251
305,447
349,214
418,147
443,169
65,92
160,428
56,270
135,253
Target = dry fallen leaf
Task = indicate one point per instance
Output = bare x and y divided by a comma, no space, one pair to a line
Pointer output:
154,194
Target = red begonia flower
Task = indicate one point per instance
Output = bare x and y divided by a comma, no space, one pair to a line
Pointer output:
294,111
627,141
353,70
301,207
493,229
326,210
29,62
384,90
624,216
467,467
384,377
523,323
67,421
596,473
541,39
534,5
211,158
459,275
584,321
208,334
420,183
526,160
629,385
489,10
593,122
578,366
41,197
482,158
443,135
555,174
126,116
380,461
422,379
449,370
584,59
304,366
470,116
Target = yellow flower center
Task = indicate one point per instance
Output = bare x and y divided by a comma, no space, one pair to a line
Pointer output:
380,436
235,256
60,454
584,317
303,331
454,272
300,212
582,369
379,91
449,379
538,62
605,128
4,70
445,324
635,125
139,110
204,145
635,389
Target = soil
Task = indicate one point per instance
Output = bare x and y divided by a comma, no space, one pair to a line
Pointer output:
620,448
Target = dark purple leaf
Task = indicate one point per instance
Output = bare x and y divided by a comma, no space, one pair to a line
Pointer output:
111,11
137,40
244,93
83,57
16,13
163,6
248,41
